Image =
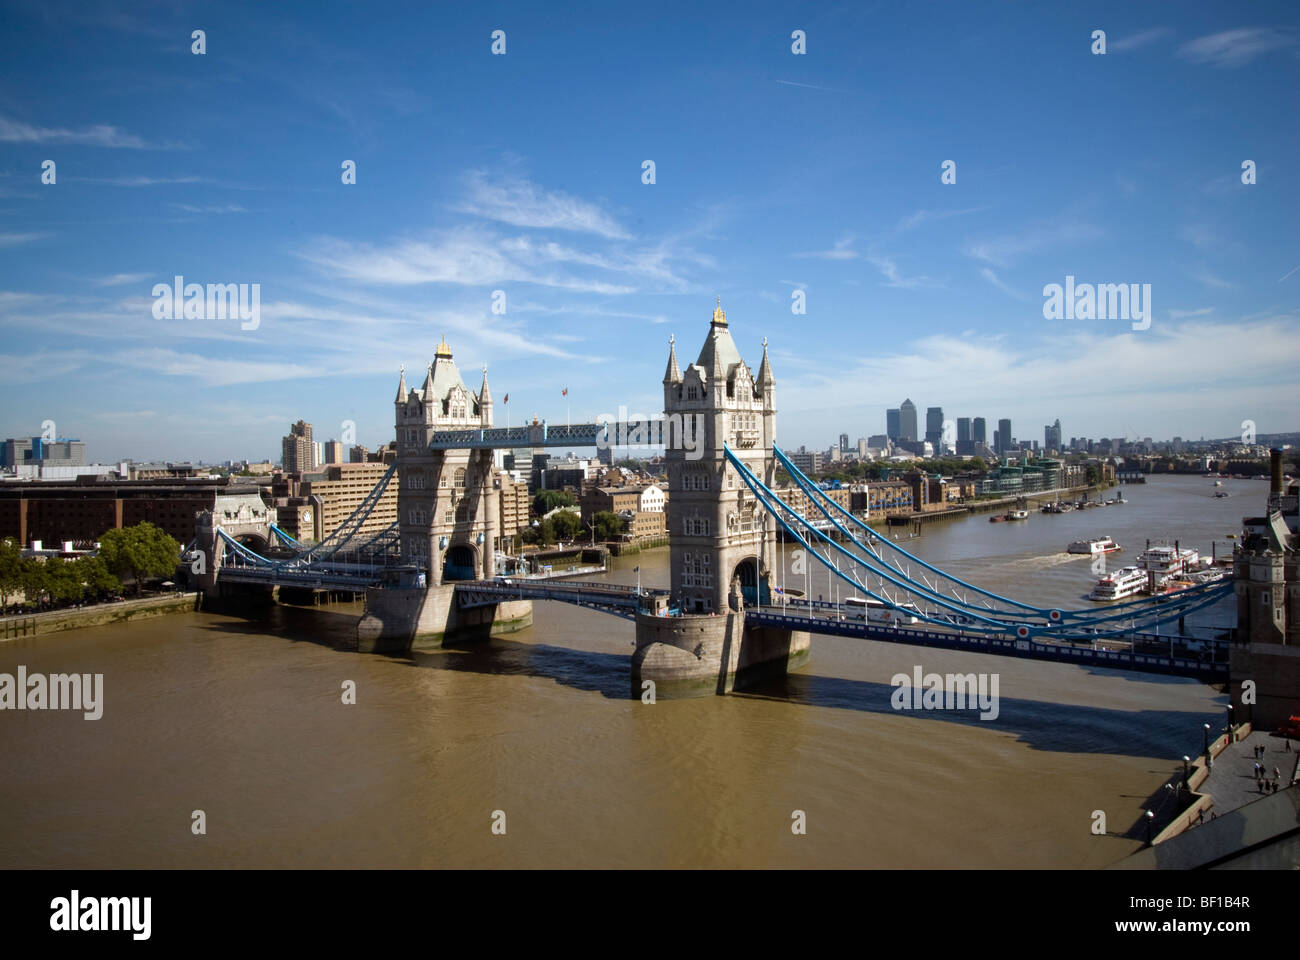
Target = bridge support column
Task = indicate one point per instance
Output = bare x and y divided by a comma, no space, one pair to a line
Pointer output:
699,655
397,620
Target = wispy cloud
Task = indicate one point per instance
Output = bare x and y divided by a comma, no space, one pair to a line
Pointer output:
1004,250
1138,40
217,208
122,279
18,239
1199,235
843,251
466,257
522,203
889,269
1288,273
99,135
1236,48
924,216
810,86
138,181
1187,314
993,278
1205,277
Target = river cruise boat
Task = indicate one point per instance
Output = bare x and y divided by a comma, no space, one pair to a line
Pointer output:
1094,546
1166,561
1122,583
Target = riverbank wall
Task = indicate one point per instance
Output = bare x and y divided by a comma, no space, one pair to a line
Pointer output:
74,618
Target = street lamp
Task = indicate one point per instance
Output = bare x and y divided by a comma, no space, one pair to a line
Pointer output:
1186,761
1151,819
1230,723
1209,761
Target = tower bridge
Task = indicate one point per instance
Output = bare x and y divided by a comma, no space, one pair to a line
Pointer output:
723,619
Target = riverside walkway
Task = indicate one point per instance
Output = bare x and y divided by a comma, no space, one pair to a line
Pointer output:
1232,783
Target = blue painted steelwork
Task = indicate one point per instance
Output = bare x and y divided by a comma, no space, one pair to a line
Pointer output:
1090,615
1207,670
1175,607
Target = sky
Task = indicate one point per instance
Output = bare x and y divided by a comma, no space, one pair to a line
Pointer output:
777,175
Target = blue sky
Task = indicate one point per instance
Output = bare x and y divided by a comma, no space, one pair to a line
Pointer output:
523,173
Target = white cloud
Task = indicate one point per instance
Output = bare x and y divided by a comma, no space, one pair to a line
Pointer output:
842,251
1004,250
993,278
522,203
18,239
1137,40
923,216
139,181
122,279
1034,380
99,135
1236,48
215,208
889,270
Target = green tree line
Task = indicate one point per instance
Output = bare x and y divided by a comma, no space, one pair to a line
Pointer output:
138,553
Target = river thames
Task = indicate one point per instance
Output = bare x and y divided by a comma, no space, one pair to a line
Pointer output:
244,720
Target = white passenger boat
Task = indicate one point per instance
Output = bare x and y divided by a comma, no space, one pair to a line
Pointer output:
1094,546
1120,584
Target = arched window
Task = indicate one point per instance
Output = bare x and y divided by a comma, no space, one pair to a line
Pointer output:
458,480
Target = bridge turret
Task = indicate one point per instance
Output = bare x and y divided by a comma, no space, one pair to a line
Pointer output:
485,402
427,395
401,386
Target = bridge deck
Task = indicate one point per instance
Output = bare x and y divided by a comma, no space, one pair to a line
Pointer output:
1210,669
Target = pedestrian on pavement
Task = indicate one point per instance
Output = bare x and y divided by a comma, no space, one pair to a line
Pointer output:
1276,773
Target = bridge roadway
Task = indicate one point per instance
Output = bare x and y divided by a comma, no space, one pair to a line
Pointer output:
319,576
1146,653
613,598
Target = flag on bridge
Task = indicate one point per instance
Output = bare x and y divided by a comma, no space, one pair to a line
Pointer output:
564,392
506,399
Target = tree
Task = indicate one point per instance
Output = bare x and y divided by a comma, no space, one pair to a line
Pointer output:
608,525
11,580
566,525
94,574
139,552
548,500
1092,473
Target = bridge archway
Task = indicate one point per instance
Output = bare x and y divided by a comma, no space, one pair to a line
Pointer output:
752,588
460,563
256,542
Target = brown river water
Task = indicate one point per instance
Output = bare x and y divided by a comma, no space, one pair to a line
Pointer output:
243,719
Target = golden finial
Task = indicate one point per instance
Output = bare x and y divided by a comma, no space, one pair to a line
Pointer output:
718,315
443,349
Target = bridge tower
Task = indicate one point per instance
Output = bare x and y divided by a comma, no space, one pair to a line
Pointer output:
723,549
448,513
446,508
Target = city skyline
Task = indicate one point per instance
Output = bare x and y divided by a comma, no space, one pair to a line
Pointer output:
910,286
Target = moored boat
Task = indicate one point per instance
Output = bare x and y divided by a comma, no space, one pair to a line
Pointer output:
1165,560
